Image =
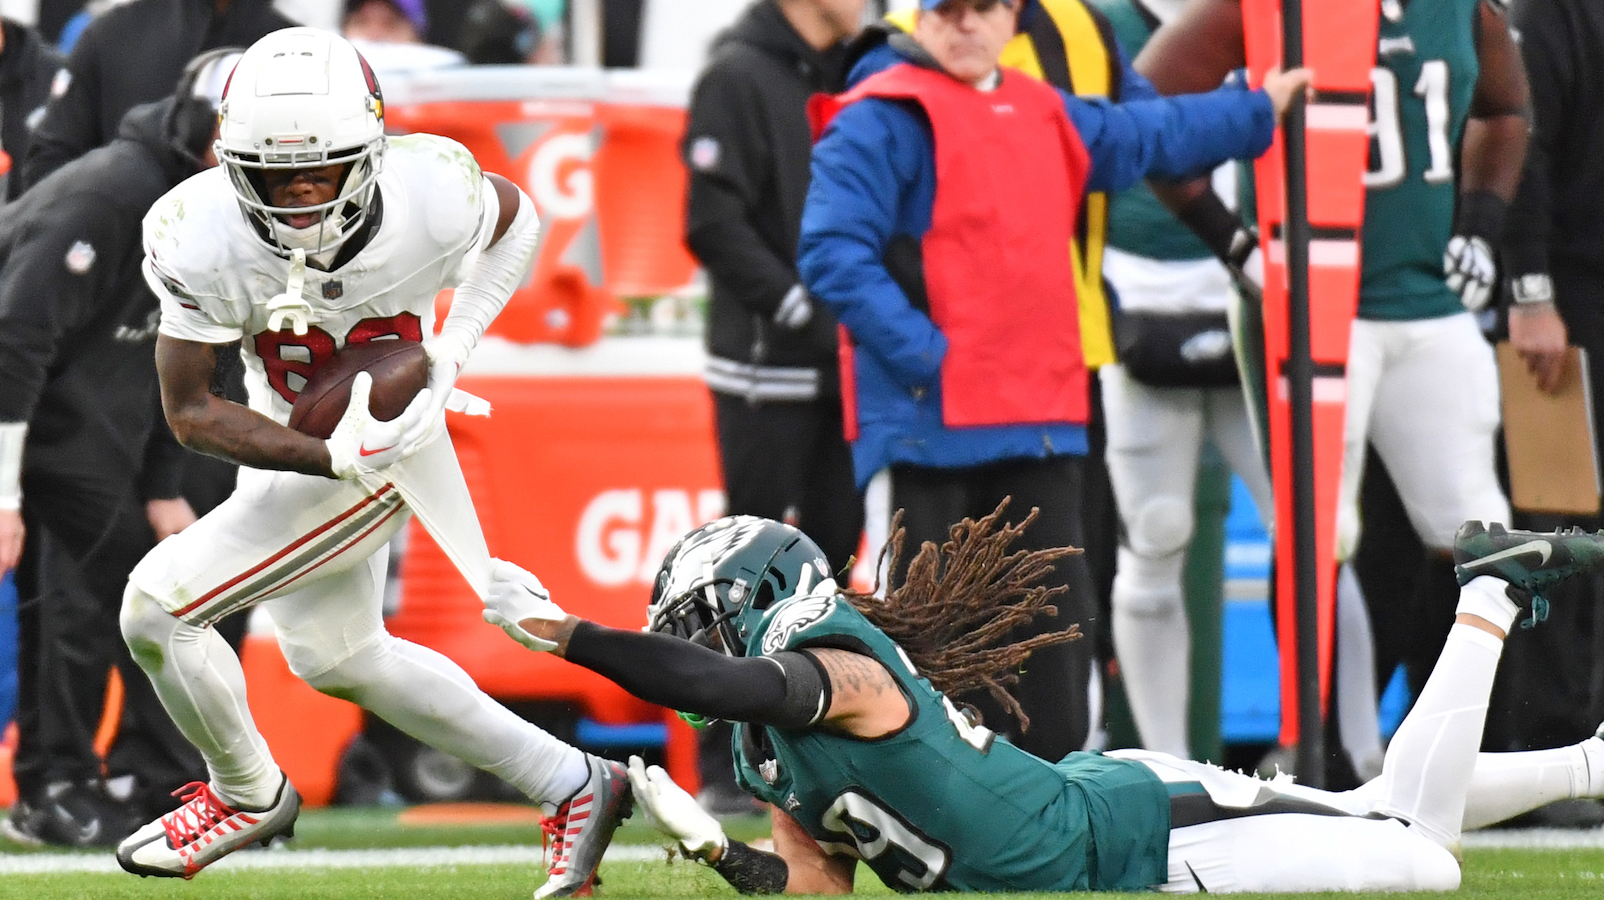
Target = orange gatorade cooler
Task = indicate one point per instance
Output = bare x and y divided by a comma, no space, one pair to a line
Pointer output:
604,175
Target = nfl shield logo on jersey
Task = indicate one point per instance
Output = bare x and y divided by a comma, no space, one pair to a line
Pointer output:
80,256
333,288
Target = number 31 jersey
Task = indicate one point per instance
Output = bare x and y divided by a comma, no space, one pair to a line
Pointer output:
215,274
943,804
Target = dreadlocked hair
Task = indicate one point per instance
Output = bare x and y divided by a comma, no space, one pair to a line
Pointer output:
959,602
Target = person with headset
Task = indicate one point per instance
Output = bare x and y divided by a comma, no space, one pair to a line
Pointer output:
84,456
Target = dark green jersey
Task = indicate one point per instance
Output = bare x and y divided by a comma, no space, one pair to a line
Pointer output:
1425,75
1137,222
943,804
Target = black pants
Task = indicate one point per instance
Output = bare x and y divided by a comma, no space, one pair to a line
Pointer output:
1052,687
86,530
787,461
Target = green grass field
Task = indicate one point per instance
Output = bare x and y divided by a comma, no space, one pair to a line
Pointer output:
327,861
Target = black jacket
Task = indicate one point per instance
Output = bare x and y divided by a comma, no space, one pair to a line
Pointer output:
77,323
747,145
133,54
1557,212
26,66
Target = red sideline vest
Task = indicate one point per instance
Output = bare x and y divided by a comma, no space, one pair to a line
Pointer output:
1010,171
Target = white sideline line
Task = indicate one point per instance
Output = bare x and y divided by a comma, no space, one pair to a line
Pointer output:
430,857
279,859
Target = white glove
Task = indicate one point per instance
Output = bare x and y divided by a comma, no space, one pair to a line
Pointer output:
669,809
1471,273
447,355
796,310
362,444
516,595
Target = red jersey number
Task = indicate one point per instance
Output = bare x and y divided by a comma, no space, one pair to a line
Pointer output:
285,352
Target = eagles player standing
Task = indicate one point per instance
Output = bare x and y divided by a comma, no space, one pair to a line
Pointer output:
1448,137
316,232
845,727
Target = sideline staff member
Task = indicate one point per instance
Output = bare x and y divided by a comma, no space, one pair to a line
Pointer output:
80,444
771,351
968,378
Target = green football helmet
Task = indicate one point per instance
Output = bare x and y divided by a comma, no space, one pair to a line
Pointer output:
720,579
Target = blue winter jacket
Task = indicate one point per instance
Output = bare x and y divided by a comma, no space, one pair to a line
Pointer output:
873,177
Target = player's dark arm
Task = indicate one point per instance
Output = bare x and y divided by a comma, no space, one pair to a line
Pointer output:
205,422
1500,112
848,691
787,689
508,198
1196,50
1193,53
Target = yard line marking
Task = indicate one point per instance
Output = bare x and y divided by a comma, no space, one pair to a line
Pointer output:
428,857
279,859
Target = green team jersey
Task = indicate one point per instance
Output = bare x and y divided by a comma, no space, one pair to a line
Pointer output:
943,804
1137,222
1425,75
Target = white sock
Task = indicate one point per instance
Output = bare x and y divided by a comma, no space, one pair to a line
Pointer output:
429,697
1432,757
1153,643
199,680
1358,721
1488,598
1508,784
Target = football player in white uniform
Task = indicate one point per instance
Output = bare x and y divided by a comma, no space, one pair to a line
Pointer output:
316,232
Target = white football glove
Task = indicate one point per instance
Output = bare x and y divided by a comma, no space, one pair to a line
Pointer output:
447,356
1470,270
669,809
362,444
516,595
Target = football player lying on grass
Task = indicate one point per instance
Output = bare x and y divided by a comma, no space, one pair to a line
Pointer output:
842,723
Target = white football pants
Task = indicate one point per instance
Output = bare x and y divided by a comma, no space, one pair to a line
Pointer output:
307,549
1395,833
1425,393
1154,438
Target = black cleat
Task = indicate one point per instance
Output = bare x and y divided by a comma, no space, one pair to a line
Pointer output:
1529,561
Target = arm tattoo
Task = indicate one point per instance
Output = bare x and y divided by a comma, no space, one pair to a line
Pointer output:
854,676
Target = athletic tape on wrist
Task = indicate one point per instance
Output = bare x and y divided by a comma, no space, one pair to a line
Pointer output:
13,435
1481,214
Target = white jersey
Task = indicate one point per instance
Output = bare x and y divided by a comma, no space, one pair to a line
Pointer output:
214,274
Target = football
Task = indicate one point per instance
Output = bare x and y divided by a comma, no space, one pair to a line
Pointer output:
400,369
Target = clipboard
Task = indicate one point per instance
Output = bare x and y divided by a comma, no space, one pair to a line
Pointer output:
1550,439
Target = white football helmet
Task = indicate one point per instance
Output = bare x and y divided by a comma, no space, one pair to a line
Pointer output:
303,98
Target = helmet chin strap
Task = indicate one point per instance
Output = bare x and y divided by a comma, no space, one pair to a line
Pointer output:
311,238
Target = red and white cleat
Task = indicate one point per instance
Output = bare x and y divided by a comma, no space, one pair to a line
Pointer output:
204,830
583,827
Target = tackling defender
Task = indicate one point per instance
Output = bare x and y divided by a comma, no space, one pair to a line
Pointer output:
843,724
317,232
